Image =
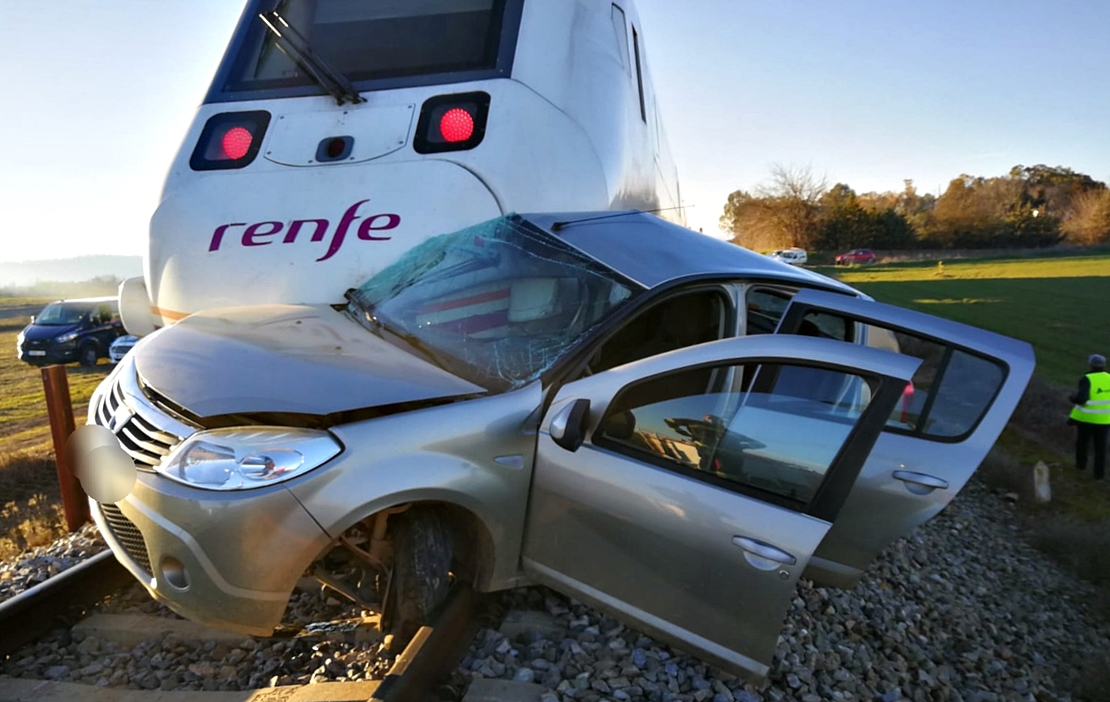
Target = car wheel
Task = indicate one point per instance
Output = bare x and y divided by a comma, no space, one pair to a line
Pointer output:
87,356
422,552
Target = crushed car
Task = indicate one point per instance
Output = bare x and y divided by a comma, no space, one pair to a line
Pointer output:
669,427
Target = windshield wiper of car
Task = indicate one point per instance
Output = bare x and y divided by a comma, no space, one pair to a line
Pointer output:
290,42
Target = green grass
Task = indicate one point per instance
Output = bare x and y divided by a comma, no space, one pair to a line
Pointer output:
23,420
1060,304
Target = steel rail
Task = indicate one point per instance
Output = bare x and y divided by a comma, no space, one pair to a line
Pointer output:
33,613
425,663
435,651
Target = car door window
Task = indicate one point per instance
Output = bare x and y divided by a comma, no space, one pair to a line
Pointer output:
949,393
766,307
773,430
677,322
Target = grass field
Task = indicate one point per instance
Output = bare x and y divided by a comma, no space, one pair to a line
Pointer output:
1061,305
23,425
29,509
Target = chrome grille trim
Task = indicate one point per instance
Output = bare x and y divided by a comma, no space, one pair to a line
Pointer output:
127,534
145,433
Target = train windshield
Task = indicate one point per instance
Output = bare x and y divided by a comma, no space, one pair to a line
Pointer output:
371,41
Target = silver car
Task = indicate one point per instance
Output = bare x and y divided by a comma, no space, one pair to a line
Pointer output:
669,427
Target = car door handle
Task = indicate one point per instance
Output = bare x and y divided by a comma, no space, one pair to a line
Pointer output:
758,548
921,479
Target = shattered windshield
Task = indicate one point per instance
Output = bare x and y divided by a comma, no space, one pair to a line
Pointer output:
496,304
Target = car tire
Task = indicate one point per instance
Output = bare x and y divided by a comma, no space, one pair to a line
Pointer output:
87,356
422,554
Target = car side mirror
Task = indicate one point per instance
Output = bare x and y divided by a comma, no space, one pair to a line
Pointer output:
568,427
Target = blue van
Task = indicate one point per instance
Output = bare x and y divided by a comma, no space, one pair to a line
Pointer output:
71,330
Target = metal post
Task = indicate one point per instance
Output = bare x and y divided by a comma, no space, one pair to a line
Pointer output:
59,408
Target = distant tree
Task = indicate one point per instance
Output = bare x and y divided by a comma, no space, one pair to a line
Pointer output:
1053,188
781,213
795,196
1089,222
750,221
846,222
1030,206
961,219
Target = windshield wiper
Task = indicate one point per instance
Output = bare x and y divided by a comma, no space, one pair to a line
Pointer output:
290,42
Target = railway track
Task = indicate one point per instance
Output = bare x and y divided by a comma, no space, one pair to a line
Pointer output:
59,600
415,676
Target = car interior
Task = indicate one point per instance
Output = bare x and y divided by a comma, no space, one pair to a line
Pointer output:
684,320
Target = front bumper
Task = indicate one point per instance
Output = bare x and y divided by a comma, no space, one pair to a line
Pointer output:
41,357
259,543
256,542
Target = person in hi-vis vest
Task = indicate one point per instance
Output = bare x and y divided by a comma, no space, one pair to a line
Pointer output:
1091,414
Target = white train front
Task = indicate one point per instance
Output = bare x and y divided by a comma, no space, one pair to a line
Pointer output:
339,133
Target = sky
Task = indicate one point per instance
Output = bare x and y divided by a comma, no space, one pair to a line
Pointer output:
98,95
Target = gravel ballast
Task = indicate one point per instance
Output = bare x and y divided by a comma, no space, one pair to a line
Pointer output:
963,609
35,565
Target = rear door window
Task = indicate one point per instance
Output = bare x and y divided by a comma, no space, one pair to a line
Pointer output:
951,390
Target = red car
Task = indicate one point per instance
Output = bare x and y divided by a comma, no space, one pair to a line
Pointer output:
856,257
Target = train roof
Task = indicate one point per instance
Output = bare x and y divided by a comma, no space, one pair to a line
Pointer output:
652,251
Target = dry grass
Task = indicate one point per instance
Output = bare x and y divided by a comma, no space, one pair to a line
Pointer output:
1074,528
30,503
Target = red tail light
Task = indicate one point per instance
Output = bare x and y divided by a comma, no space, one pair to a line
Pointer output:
236,142
229,140
452,123
456,125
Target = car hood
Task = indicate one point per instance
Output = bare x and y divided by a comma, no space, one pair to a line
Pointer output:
285,359
37,332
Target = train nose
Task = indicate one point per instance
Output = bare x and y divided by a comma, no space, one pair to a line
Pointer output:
277,239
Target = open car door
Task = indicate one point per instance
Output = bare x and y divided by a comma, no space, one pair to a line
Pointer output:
685,493
961,397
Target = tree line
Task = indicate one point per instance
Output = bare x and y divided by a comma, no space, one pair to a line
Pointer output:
1031,206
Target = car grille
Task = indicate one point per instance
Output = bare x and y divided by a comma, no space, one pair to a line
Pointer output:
29,344
127,534
146,433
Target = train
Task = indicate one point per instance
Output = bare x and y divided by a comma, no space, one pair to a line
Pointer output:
338,134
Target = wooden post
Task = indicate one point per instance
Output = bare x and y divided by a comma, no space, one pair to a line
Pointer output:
59,407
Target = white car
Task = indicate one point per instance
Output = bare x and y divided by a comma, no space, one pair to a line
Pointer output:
120,347
795,257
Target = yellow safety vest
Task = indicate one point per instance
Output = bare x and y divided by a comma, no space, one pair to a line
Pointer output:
1097,409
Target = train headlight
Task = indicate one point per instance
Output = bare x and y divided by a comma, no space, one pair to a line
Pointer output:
248,457
452,123
229,140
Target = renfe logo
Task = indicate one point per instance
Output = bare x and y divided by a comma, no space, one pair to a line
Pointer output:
262,233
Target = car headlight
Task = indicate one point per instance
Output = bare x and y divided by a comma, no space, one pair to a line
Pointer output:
66,338
248,457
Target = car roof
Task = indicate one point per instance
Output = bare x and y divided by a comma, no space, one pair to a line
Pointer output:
652,251
88,300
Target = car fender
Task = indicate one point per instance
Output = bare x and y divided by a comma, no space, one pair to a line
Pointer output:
478,459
